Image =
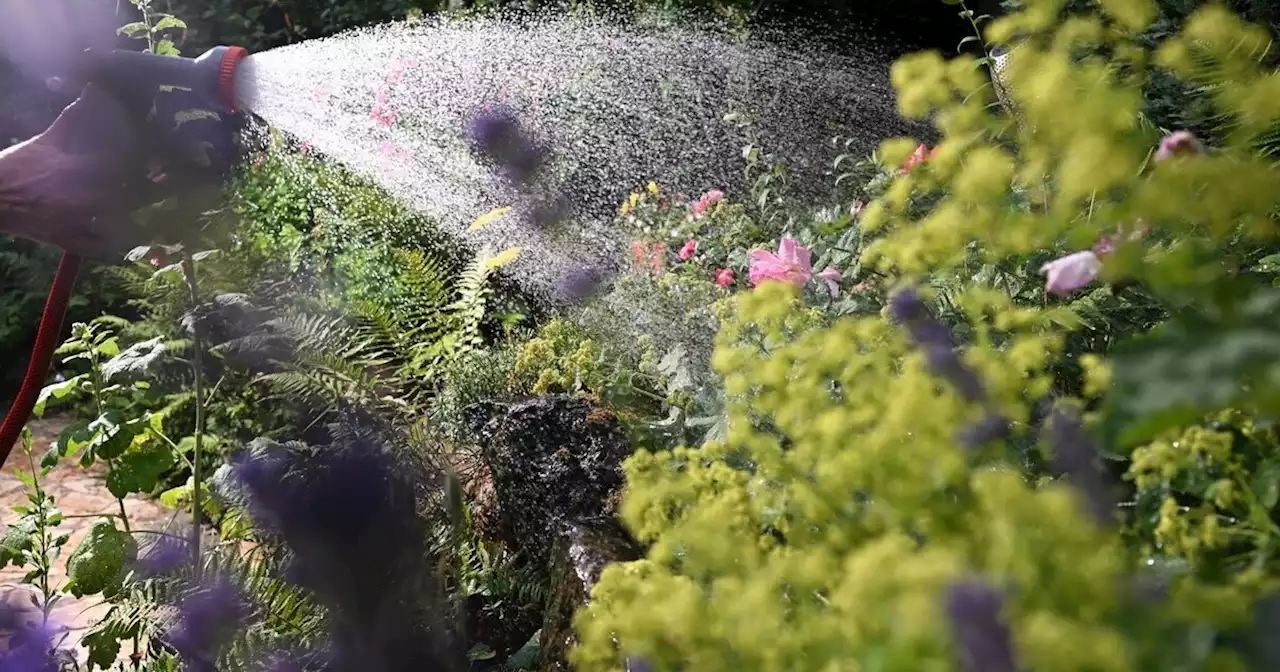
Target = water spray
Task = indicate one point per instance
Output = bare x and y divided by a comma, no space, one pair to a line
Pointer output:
192,108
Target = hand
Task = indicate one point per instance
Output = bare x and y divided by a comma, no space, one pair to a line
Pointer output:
76,184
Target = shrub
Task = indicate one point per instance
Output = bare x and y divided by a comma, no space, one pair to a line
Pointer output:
865,507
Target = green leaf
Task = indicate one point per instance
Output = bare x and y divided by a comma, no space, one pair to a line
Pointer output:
527,657
100,562
481,651
72,438
139,468
136,30
16,541
167,48
1268,264
1196,363
177,498
135,360
56,391
169,23
1266,483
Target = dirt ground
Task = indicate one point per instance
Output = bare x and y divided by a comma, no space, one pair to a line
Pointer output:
82,496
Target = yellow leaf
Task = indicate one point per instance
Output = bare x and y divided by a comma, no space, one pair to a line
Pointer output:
504,257
489,217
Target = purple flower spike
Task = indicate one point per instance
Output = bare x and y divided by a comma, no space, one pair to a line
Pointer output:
988,429
206,615
932,336
164,556
30,640
1075,456
981,637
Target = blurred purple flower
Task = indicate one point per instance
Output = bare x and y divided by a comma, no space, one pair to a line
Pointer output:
978,630
1075,457
30,645
207,615
1178,143
164,556
497,135
987,429
932,336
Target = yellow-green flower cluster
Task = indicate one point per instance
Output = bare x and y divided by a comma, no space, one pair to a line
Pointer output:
811,556
561,359
823,531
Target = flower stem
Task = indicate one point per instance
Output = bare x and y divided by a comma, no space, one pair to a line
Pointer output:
197,367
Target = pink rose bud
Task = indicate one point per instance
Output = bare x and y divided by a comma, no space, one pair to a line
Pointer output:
689,249
1066,275
724,277
1178,143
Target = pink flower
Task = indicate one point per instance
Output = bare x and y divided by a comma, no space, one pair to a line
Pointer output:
856,208
689,249
832,277
638,253
1105,246
1178,143
1066,275
724,277
922,155
791,264
657,257
708,199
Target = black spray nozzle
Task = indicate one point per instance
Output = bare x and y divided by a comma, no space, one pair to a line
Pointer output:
207,82
190,102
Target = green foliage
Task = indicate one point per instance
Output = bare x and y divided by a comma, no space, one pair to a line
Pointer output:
844,500
100,562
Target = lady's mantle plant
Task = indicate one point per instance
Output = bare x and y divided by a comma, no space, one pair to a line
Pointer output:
845,522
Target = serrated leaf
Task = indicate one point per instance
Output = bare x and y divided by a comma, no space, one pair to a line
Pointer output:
135,360
139,468
488,218
99,563
481,652
169,22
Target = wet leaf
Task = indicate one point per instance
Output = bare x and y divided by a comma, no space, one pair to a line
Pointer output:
99,563
139,468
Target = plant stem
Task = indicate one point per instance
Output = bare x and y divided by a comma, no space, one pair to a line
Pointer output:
197,367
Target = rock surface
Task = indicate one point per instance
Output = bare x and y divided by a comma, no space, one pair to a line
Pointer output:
554,460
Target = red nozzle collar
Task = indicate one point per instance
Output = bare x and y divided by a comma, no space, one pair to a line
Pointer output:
227,75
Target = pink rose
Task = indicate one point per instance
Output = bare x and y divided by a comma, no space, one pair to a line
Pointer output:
1066,275
689,249
1178,143
832,277
791,264
724,277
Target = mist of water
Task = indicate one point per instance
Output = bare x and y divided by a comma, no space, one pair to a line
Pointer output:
615,108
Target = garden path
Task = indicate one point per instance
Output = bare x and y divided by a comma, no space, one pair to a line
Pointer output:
82,496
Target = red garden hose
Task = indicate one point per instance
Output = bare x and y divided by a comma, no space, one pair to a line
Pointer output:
47,340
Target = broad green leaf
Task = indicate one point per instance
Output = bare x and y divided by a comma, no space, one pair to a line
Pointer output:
488,218
1196,363
100,562
72,438
16,540
139,468
136,30
481,651
56,391
168,22
135,360
527,657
